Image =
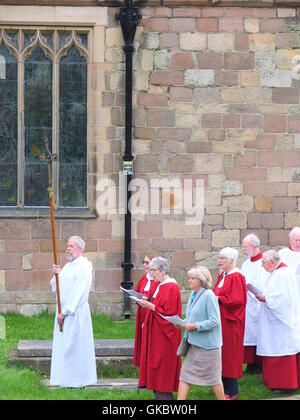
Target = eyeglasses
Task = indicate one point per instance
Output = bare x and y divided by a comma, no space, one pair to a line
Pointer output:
146,262
154,269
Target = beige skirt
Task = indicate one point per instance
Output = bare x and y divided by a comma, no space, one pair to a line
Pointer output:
202,367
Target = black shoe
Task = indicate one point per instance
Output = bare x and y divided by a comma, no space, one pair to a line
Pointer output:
282,391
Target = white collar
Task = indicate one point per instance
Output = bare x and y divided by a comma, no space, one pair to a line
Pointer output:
166,281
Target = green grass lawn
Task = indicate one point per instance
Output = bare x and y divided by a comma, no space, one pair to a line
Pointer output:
23,383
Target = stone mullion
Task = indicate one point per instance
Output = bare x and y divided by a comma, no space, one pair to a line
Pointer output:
21,126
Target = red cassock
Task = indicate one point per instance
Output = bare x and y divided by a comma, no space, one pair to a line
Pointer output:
159,365
140,316
232,301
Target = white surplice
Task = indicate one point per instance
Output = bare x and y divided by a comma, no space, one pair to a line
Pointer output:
278,327
73,361
257,276
292,260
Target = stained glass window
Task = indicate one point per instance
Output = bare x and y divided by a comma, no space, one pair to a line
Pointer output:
73,129
38,125
8,128
43,94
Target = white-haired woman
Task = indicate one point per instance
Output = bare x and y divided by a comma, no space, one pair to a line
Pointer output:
203,362
159,363
231,292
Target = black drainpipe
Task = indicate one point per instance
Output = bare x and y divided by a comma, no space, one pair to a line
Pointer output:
129,18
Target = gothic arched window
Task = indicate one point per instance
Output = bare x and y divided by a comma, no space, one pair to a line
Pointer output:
44,95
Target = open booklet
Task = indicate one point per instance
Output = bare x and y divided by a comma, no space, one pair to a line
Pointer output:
133,293
174,319
254,289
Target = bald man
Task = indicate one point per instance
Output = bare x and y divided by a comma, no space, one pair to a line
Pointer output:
256,276
291,255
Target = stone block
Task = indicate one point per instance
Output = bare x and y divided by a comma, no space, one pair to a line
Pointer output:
15,229
291,220
251,25
250,78
278,237
169,40
208,164
235,220
161,59
279,78
150,40
221,42
182,259
32,310
192,41
182,61
239,203
27,262
207,259
232,188
158,24
275,123
181,94
224,238
211,120
233,94
182,24
284,204
181,164
272,158
245,160
206,25
246,174
198,78
179,229
167,78
263,204
159,117
238,61
265,188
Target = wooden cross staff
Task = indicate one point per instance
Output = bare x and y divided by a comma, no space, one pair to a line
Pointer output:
51,157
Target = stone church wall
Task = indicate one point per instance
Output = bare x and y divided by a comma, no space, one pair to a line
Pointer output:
216,98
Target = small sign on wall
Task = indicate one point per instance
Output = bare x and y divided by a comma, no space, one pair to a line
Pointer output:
128,167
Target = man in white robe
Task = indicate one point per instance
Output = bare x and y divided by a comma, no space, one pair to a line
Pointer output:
291,255
73,361
255,276
278,340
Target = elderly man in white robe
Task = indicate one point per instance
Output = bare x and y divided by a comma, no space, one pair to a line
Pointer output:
256,278
73,361
291,255
278,340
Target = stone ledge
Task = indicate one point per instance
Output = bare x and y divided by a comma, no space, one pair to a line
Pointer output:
43,348
43,363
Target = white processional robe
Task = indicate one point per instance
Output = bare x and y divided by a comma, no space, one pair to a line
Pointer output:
278,327
292,260
257,276
73,362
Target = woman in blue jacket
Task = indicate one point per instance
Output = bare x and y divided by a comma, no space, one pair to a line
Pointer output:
203,361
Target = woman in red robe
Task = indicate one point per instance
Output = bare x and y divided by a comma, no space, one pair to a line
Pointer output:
159,365
230,289
147,286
